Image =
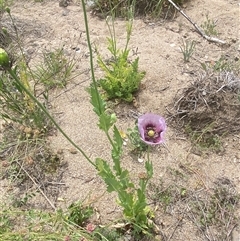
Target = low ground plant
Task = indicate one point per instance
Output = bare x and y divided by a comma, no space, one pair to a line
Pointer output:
167,196
187,49
209,27
38,225
17,107
136,144
205,139
122,77
215,212
153,8
79,213
104,233
55,70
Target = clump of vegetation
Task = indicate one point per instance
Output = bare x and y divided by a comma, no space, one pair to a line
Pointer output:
167,196
38,225
205,139
187,49
209,27
207,109
105,233
137,145
122,77
214,213
153,8
17,107
79,214
55,71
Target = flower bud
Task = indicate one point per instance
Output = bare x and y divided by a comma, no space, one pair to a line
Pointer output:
7,9
4,59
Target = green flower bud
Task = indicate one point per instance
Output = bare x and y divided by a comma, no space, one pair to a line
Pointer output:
4,30
7,9
4,59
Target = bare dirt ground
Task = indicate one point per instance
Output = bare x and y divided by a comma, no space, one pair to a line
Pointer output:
46,26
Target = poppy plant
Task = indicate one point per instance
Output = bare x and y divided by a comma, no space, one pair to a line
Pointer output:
152,128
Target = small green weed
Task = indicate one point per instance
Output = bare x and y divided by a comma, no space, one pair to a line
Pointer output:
216,210
209,27
17,107
55,71
205,139
187,49
5,221
153,8
167,196
137,144
23,201
79,214
222,64
122,77
106,234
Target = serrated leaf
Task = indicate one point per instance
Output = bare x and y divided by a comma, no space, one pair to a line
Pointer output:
107,175
105,122
112,184
97,101
117,137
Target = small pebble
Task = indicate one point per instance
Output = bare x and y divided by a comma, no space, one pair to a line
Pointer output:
140,160
73,151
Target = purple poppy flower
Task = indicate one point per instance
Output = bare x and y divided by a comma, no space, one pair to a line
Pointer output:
152,128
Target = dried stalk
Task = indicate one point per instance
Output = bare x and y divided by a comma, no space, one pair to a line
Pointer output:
210,39
40,190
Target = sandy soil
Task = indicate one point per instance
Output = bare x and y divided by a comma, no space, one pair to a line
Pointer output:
46,26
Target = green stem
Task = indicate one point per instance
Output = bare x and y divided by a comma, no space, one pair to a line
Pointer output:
116,161
91,55
12,73
148,151
113,35
148,160
92,68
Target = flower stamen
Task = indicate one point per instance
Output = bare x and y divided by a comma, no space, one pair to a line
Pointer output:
151,133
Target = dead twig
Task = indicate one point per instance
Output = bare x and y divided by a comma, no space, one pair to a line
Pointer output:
210,39
175,228
40,190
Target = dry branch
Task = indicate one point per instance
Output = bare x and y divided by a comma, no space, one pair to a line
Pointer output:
40,190
210,39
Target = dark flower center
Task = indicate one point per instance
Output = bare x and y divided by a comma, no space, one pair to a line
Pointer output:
151,134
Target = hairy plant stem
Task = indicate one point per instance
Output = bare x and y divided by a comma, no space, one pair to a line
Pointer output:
90,54
12,73
150,162
92,68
